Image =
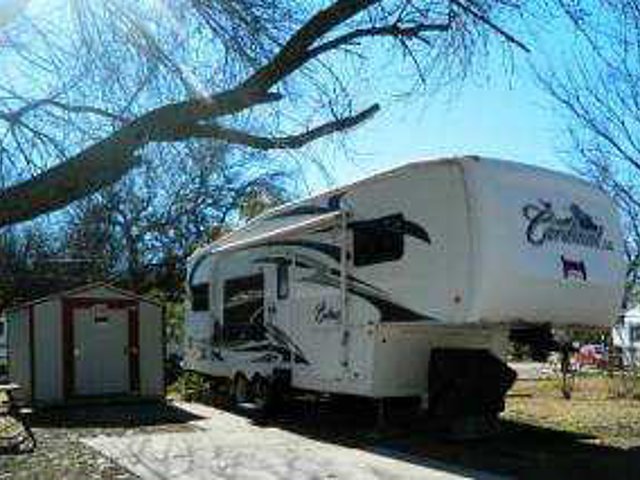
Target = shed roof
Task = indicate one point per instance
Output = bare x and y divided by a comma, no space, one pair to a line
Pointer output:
85,288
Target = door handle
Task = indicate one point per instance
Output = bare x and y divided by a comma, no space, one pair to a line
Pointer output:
131,350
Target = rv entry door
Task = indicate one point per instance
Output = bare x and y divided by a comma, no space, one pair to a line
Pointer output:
279,305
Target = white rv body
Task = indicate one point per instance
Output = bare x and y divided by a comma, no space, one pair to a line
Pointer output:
353,289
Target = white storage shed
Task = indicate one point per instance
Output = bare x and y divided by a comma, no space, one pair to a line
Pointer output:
94,341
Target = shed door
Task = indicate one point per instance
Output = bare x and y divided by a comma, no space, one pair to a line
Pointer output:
101,350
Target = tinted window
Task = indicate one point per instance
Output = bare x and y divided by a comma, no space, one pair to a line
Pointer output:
377,241
635,333
200,297
243,314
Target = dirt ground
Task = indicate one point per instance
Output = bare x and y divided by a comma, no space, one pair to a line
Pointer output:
542,435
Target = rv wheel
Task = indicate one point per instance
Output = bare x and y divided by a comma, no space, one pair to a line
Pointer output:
240,390
261,391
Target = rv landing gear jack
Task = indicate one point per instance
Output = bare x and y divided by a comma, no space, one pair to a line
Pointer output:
566,369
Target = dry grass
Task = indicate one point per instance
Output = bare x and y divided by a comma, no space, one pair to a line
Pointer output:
595,409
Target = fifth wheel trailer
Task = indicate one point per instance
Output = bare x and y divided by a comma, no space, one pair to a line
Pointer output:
405,284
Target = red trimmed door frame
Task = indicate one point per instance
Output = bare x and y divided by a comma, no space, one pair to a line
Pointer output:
32,351
69,304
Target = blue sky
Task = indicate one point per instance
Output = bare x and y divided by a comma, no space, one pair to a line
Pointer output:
500,112
506,116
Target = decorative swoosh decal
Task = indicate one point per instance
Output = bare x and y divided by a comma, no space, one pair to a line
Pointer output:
284,351
395,223
415,230
324,275
388,310
324,248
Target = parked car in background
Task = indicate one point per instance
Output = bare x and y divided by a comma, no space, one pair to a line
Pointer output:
592,355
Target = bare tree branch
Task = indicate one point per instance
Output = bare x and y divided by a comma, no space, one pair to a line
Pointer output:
91,170
287,142
296,52
392,31
486,20
138,126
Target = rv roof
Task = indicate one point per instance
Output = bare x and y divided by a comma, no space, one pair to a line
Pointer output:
376,178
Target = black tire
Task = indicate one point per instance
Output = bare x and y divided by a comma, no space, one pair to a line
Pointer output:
240,391
261,389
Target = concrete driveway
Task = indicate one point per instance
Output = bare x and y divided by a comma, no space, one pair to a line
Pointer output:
228,446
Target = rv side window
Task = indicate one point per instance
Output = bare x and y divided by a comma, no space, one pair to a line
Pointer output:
243,315
200,297
377,241
283,281
634,333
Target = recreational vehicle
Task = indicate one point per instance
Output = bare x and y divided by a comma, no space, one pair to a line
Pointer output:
405,284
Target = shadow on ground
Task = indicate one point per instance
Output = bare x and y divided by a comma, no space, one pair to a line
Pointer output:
153,415
517,449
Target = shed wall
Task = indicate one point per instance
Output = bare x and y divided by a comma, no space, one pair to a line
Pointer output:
19,353
151,350
48,351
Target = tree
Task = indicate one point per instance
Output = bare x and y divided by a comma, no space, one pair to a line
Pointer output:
89,249
140,231
25,270
597,90
95,87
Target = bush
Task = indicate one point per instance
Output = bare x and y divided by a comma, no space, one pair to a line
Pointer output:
192,387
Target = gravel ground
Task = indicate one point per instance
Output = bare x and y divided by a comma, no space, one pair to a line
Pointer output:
61,455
